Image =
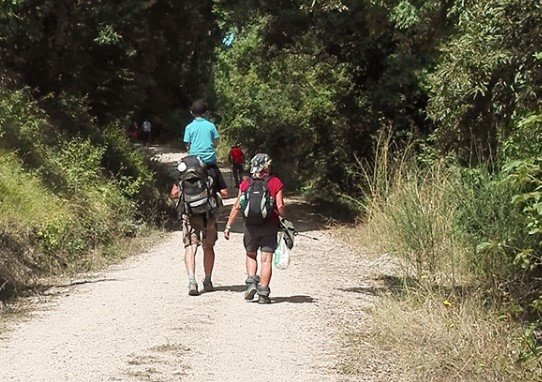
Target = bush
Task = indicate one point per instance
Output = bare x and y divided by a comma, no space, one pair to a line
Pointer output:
410,209
465,233
66,199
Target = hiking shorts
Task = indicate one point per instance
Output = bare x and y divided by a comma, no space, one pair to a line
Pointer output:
262,237
196,232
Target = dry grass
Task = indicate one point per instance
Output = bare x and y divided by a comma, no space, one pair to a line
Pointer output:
177,349
160,363
435,321
422,331
435,339
11,313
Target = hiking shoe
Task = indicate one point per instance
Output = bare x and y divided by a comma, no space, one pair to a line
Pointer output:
208,285
263,294
193,289
250,292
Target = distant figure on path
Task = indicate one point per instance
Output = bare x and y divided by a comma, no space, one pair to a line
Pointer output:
132,131
236,158
146,128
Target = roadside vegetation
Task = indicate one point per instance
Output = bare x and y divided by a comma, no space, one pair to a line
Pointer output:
452,189
67,202
464,303
74,191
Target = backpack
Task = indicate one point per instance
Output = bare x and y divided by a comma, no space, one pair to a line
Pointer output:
195,188
258,203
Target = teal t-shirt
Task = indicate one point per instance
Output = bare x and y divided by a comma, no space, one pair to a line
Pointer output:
200,134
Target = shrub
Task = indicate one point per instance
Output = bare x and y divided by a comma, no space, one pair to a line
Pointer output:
410,210
66,198
466,232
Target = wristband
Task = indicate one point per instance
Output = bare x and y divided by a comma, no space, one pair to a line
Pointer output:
228,228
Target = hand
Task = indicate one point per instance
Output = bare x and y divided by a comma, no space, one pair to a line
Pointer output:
227,233
174,193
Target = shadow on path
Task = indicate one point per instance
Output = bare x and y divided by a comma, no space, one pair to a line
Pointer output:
297,299
230,288
370,290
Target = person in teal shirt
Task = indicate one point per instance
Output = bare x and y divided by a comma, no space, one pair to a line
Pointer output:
201,135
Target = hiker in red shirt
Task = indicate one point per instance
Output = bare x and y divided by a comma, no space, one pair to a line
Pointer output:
261,202
236,158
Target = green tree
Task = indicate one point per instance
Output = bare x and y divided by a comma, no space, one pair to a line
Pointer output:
488,77
117,57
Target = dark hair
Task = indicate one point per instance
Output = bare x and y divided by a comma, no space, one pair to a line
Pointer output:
199,107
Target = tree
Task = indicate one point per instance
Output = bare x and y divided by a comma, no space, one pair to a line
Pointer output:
489,76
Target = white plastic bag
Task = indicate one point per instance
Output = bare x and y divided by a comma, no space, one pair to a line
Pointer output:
282,253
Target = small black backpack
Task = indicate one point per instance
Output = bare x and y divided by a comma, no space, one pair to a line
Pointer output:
257,204
195,188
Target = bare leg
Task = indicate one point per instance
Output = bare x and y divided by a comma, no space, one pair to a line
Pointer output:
190,260
267,270
208,261
252,264
190,264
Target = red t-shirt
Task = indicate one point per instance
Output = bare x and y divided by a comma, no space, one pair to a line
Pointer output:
275,185
236,155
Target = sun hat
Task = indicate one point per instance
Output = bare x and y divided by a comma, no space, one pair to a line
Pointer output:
259,163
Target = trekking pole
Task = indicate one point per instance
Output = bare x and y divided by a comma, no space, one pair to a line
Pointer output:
307,236
287,226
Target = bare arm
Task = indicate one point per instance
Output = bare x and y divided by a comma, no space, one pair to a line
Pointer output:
231,218
279,201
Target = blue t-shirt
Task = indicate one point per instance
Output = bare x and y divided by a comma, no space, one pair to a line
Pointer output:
200,134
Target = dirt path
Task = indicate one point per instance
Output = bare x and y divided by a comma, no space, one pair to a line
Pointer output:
135,321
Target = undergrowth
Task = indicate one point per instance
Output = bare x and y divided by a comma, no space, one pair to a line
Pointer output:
469,241
68,198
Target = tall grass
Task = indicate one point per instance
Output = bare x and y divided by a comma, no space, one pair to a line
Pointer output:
25,206
438,216
457,233
410,212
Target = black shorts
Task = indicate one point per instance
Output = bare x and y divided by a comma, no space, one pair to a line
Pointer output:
262,237
218,180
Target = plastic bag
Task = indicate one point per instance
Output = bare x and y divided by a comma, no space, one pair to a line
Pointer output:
282,253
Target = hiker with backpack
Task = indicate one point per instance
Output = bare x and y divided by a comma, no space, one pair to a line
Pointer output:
236,158
198,189
261,202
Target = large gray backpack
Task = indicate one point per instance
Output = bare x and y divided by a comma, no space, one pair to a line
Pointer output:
195,188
